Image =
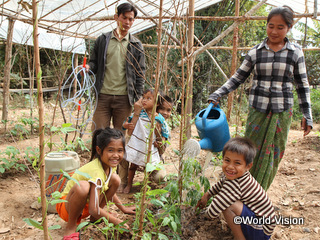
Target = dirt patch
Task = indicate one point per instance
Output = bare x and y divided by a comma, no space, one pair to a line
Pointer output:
294,192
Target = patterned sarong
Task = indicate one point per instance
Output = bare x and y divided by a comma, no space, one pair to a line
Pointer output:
269,131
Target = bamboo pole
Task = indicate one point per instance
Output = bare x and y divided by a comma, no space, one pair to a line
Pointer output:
182,121
6,73
234,61
41,120
178,18
150,142
190,63
221,48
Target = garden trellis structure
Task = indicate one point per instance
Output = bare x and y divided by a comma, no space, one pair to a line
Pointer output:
72,21
65,24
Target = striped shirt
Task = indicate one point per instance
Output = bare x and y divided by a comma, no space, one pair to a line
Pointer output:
273,76
245,189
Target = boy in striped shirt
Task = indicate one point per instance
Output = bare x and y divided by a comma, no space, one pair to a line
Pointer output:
243,202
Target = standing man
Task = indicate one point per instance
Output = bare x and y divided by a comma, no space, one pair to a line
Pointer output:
118,61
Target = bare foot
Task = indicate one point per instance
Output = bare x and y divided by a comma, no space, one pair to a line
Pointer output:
121,188
127,189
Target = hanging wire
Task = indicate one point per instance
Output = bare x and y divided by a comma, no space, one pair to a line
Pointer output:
81,103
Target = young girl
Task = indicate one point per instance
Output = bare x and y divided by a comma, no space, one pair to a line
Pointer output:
139,130
277,64
92,193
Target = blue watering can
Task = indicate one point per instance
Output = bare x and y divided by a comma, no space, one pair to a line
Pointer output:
212,128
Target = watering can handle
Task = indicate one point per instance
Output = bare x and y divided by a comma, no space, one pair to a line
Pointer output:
206,113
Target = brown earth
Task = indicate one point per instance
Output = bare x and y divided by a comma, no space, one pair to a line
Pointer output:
295,193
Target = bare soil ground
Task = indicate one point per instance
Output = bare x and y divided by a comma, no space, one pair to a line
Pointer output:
295,193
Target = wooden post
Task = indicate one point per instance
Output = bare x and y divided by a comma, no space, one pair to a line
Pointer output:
234,60
150,141
183,117
190,62
7,69
41,120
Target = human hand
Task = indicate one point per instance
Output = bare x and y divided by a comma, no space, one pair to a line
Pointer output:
156,144
306,128
202,203
87,68
215,103
137,107
129,210
128,125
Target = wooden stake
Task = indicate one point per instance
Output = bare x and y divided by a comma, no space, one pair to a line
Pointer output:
190,63
150,143
41,120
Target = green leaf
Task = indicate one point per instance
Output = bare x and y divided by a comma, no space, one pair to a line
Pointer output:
157,202
150,167
67,130
67,176
81,225
174,226
56,195
64,125
161,236
53,202
32,222
155,192
151,219
165,221
54,129
176,152
54,227
86,175
147,236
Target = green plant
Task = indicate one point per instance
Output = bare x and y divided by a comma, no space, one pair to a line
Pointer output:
72,145
32,156
10,160
20,129
110,230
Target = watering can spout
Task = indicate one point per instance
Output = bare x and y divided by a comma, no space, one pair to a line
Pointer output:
206,144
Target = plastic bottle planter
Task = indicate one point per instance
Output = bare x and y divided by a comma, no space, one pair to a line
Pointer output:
212,128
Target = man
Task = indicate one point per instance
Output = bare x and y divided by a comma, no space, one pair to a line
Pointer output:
118,61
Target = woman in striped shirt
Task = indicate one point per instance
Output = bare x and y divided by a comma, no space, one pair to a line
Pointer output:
243,202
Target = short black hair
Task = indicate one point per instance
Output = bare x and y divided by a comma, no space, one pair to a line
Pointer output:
126,7
243,146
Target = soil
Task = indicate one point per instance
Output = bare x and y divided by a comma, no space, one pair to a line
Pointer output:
295,194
